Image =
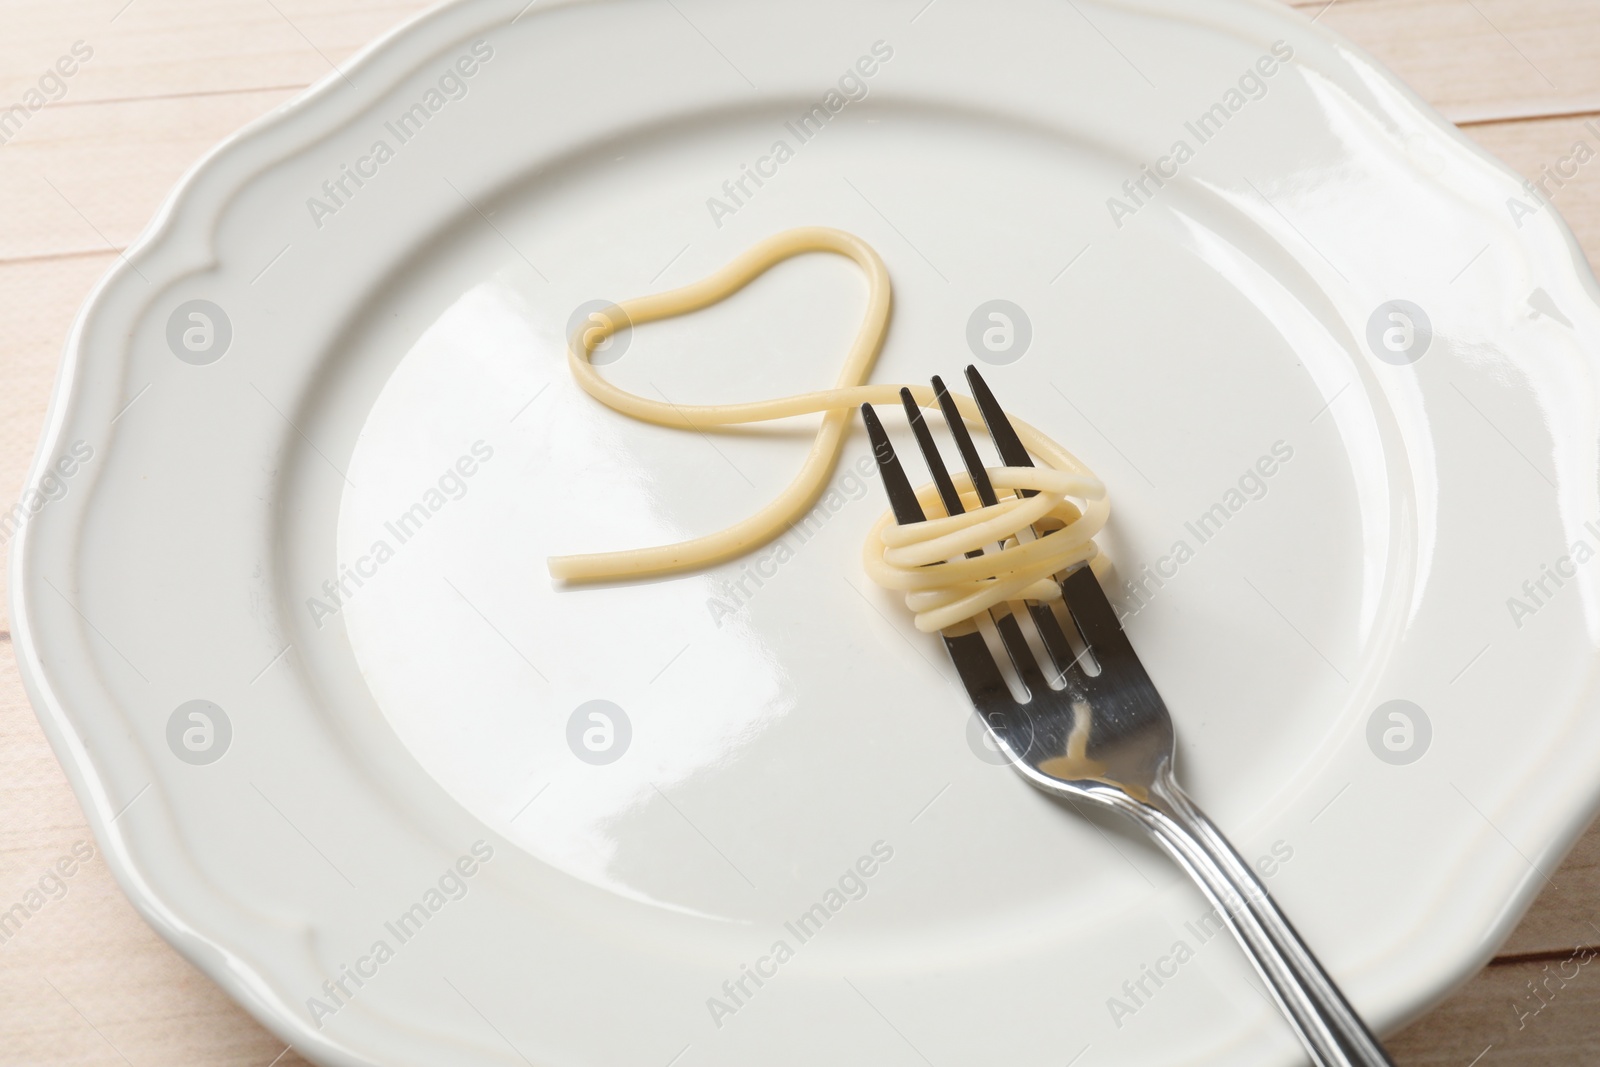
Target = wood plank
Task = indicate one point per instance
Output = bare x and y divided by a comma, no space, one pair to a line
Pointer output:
146,48
1541,150
1567,913
1531,1013
1480,60
55,172
155,85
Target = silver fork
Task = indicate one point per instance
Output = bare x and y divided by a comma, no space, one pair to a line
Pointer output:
1106,737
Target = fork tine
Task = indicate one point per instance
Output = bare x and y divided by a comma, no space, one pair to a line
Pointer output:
1055,642
902,498
1004,435
980,673
930,453
963,439
1021,655
1096,618
1013,454
977,668
1016,645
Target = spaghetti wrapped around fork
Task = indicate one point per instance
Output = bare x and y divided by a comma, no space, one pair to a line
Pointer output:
944,586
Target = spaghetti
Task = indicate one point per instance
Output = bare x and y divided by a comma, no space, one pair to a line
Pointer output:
925,561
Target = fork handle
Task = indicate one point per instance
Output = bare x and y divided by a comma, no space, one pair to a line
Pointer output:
1326,1024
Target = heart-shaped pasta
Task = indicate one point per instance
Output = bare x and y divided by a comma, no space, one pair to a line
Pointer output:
927,561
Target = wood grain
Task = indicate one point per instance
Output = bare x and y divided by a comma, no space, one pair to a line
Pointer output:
1524,1013
1480,60
85,982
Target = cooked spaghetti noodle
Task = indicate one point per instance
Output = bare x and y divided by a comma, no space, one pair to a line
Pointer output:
926,561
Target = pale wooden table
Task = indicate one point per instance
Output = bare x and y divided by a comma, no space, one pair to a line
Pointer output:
86,982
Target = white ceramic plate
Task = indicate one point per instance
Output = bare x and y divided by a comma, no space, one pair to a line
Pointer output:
379,362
